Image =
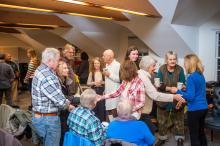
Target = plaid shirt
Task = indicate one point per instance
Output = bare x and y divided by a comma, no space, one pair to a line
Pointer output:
47,96
83,122
135,93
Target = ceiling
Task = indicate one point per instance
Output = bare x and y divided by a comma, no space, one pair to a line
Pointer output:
195,12
94,9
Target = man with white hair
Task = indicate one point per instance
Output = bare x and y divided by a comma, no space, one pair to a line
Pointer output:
127,128
48,99
83,122
112,81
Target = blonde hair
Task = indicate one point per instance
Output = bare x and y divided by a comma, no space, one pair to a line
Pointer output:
68,47
193,63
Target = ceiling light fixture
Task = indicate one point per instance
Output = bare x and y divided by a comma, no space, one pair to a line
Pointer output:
124,10
90,16
27,26
26,8
52,11
104,7
74,2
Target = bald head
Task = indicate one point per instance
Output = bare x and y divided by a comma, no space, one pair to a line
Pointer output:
8,57
108,56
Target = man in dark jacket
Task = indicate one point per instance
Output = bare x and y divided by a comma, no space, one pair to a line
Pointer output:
6,77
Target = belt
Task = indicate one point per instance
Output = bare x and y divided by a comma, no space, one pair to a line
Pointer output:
45,114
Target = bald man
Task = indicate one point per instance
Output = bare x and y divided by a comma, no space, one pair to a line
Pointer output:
112,81
14,85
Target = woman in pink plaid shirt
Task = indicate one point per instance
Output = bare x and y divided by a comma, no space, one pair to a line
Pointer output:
131,88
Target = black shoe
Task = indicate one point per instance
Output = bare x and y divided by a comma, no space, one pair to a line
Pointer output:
160,142
180,142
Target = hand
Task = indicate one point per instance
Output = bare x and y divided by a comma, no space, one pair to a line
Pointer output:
178,97
106,73
25,81
71,107
99,97
98,83
173,90
67,102
179,104
184,87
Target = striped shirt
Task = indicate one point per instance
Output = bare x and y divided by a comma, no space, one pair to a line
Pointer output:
83,122
47,96
32,66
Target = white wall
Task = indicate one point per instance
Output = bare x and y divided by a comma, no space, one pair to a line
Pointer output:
207,46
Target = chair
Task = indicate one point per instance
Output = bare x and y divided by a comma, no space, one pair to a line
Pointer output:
5,112
72,139
117,142
213,121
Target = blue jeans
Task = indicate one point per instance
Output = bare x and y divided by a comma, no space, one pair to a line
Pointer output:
49,129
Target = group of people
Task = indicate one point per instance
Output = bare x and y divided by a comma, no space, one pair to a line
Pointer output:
122,94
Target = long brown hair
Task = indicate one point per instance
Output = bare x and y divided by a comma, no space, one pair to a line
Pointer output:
131,48
92,68
128,70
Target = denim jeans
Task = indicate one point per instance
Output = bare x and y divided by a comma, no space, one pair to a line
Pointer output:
49,129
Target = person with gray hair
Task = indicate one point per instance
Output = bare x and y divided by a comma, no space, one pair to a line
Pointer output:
83,122
127,128
171,74
48,99
68,57
147,68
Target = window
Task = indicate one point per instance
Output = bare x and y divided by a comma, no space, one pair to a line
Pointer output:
218,54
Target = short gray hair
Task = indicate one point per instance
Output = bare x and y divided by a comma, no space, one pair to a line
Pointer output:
50,54
88,98
146,62
170,53
124,108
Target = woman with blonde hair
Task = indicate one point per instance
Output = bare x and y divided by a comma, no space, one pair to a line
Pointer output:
195,95
96,81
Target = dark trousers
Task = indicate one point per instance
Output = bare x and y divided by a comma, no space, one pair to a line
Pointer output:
64,127
30,84
147,120
196,122
7,96
30,88
100,106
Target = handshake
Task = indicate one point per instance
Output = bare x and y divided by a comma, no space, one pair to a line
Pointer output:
180,100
